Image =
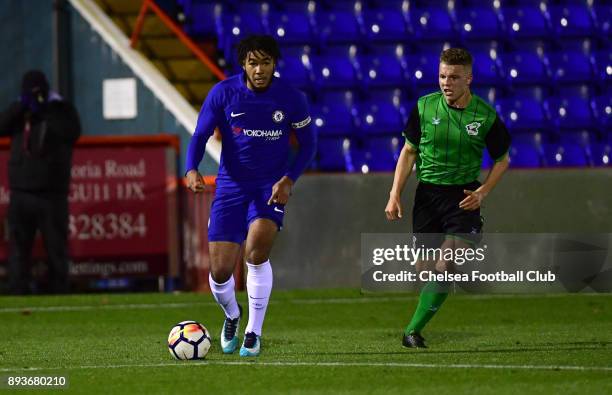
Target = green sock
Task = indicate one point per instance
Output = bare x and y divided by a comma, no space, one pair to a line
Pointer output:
432,296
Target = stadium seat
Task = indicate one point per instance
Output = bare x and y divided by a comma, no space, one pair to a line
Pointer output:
334,119
571,67
291,27
381,153
479,23
603,19
380,117
201,19
525,68
602,109
571,20
537,92
565,155
571,113
385,70
603,66
332,154
236,26
486,71
602,154
339,27
433,24
297,70
424,68
523,114
384,25
526,150
336,71
402,99
524,155
526,22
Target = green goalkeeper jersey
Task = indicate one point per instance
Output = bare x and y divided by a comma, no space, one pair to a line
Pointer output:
450,141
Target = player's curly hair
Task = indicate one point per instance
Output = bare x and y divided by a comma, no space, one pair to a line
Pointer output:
456,56
258,42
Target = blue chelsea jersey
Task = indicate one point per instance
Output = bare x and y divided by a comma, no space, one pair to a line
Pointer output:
255,128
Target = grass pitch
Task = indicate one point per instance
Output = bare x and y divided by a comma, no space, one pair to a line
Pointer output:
332,341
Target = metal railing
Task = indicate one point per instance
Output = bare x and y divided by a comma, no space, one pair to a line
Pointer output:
176,29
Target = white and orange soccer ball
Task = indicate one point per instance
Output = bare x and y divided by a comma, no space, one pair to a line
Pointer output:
189,340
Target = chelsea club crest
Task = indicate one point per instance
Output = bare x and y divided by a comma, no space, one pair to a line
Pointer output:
278,116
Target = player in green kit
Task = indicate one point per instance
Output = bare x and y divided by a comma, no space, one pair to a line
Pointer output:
445,136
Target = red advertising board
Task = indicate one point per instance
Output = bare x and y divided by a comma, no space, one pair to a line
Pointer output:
123,208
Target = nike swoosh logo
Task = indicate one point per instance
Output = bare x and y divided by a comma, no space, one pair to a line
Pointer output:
278,210
236,115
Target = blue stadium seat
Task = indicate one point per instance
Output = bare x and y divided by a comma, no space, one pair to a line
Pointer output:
603,18
424,68
334,119
602,154
382,153
602,108
527,21
479,23
401,99
434,24
332,154
236,26
603,65
201,19
486,71
346,96
291,27
297,70
380,117
523,114
526,150
537,92
571,112
337,27
384,25
571,20
565,155
339,68
571,67
525,68
385,70
524,155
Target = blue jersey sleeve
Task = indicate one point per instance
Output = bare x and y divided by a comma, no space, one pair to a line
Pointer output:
306,136
209,118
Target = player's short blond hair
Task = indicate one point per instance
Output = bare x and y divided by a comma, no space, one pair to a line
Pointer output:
456,56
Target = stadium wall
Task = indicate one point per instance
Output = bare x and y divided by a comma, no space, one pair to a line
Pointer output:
320,245
27,41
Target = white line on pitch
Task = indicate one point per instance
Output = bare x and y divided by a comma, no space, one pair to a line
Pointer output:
348,300
323,364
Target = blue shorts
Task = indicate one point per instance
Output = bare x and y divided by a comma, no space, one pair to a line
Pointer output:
234,208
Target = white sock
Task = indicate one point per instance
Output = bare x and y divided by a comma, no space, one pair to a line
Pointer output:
225,295
259,286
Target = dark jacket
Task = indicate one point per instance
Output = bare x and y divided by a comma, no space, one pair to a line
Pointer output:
45,165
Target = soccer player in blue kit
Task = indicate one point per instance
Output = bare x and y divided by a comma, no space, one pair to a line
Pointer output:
255,113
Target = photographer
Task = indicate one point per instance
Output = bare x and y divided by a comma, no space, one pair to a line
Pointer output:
43,130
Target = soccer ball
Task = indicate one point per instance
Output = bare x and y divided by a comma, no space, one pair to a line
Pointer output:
189,340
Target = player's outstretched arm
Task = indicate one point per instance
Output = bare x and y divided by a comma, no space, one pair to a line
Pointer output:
403,170
474,199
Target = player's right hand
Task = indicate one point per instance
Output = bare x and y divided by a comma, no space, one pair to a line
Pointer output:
195,182
393,210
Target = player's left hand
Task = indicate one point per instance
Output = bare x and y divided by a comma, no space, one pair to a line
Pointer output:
281,191
473,200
